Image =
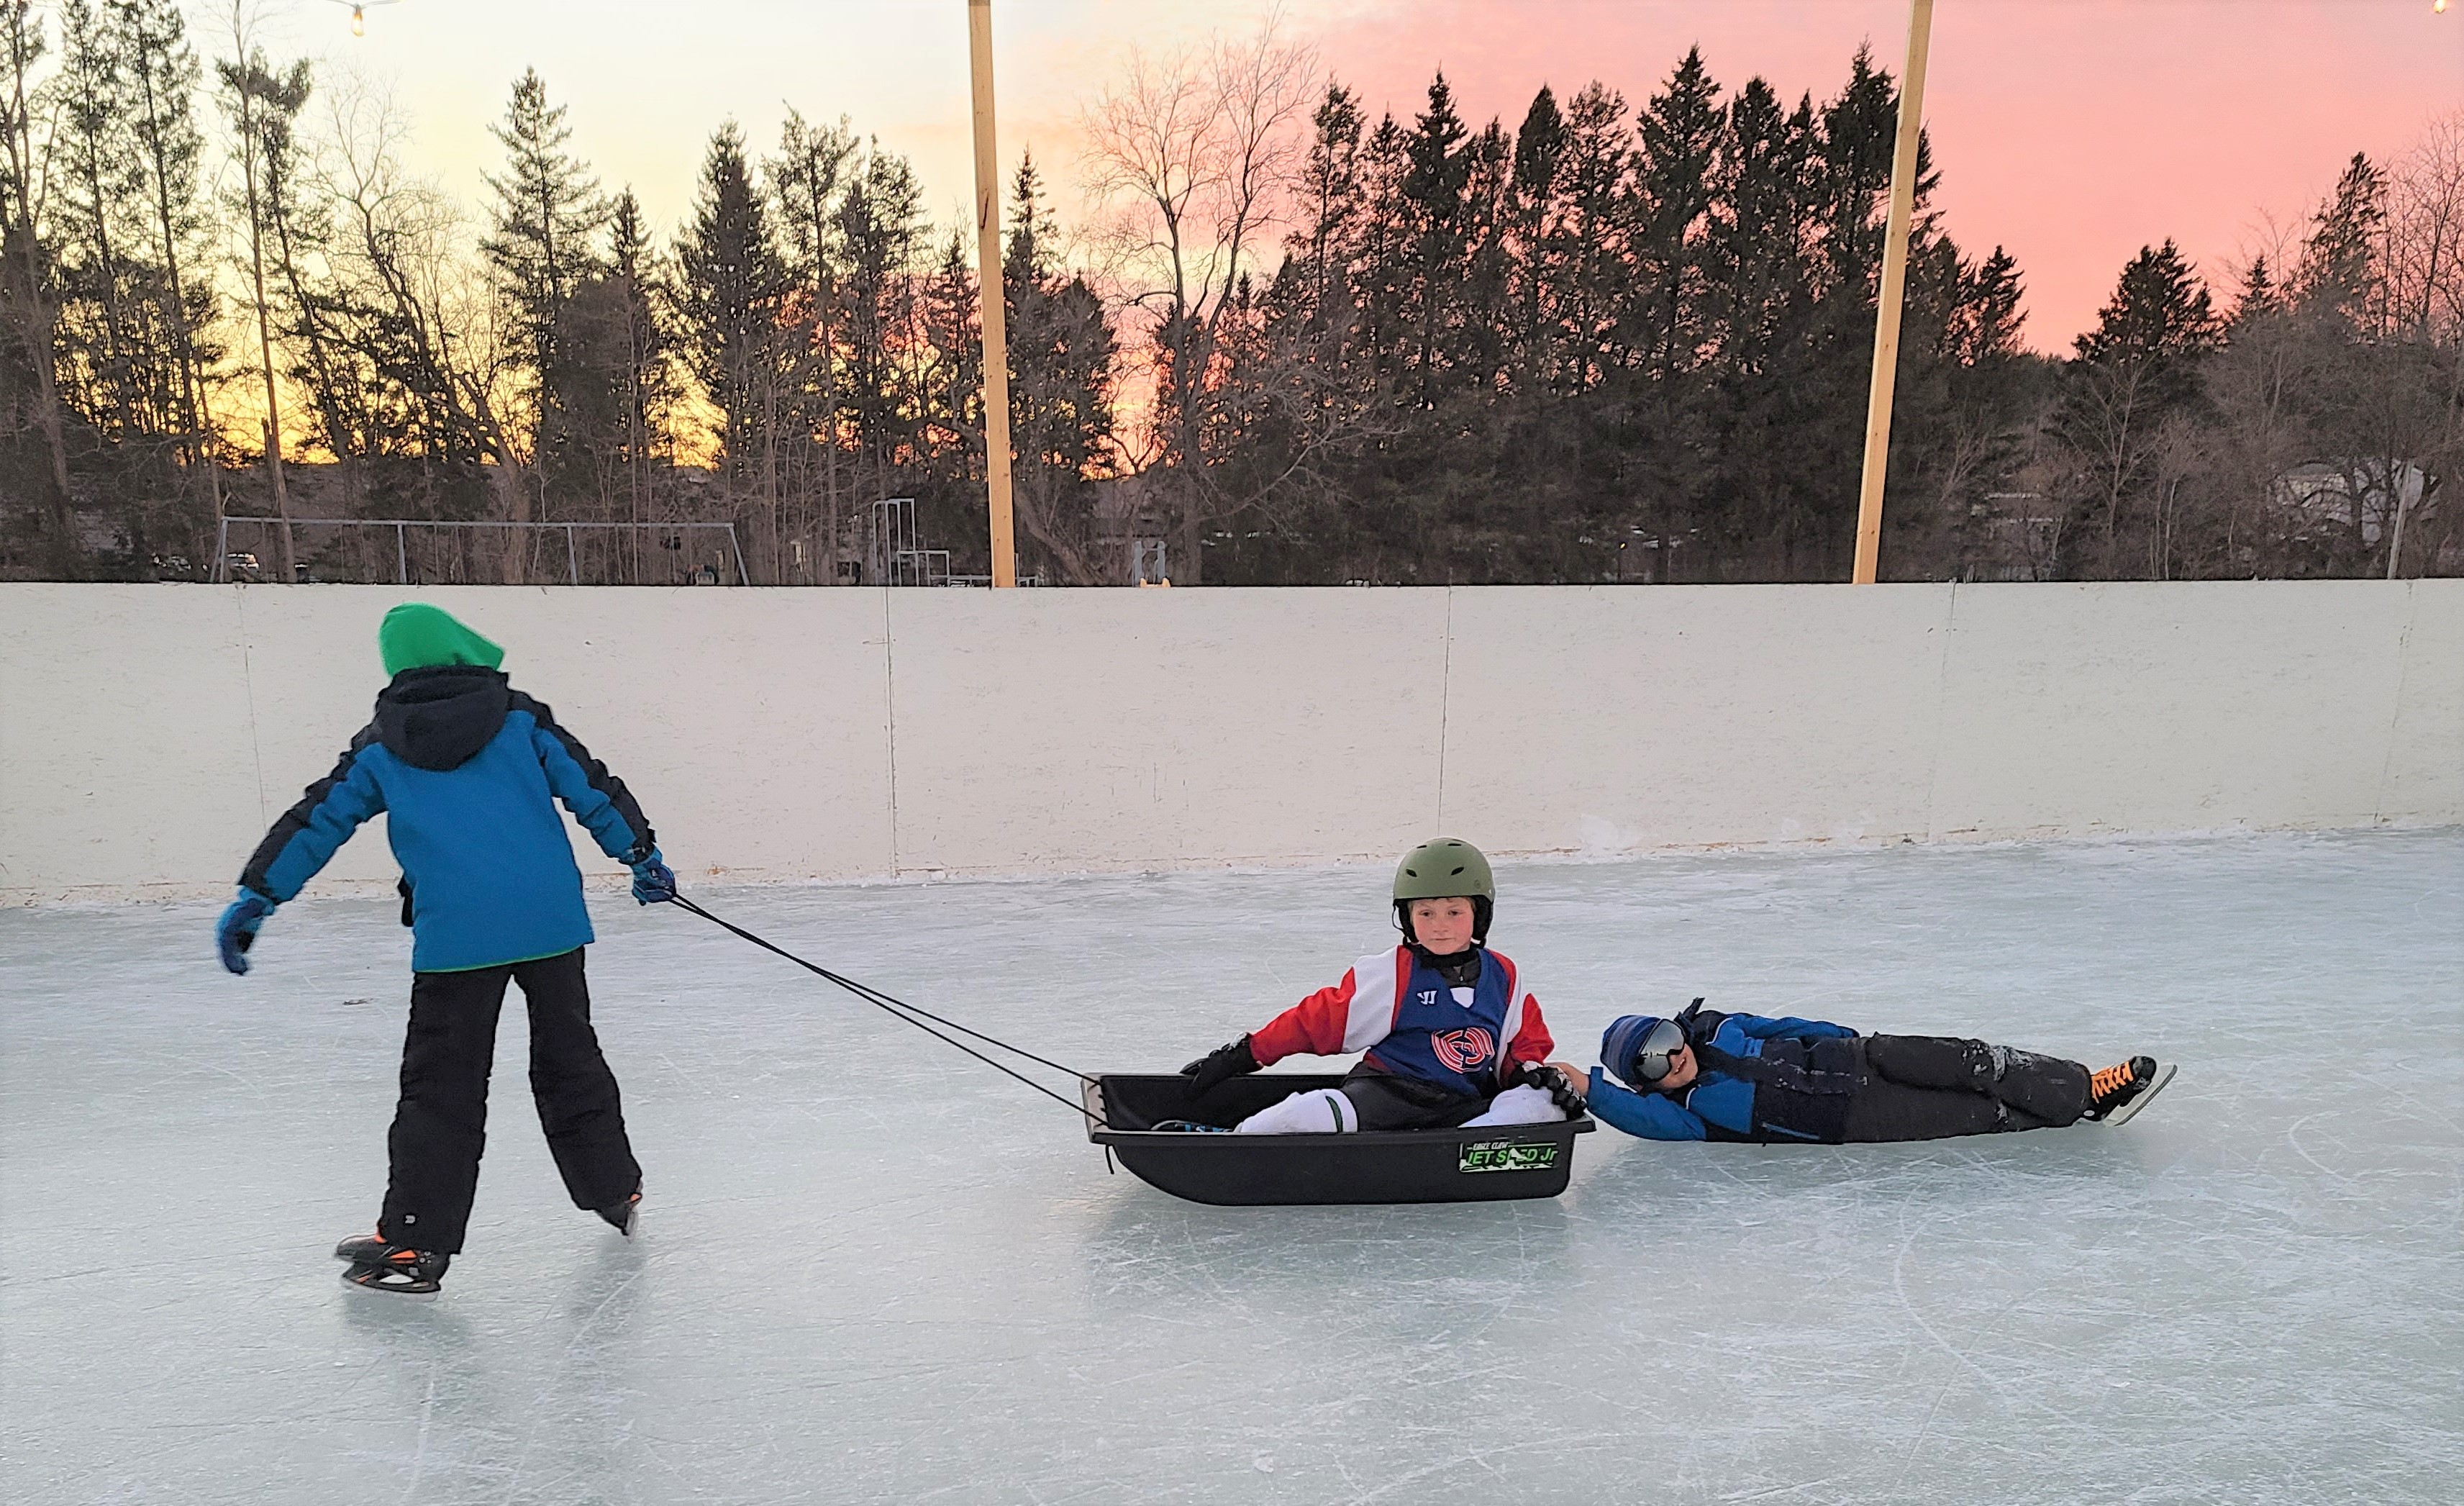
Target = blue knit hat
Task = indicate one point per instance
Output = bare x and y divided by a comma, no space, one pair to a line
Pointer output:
1619,1043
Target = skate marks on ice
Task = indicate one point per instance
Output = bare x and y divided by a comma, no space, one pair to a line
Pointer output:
869,1273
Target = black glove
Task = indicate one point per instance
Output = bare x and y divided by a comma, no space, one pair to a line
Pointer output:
1219,1066
1549,1080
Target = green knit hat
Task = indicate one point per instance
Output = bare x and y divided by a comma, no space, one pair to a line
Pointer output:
417,636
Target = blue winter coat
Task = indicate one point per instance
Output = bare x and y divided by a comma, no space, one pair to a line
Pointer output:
1730,1104
468,771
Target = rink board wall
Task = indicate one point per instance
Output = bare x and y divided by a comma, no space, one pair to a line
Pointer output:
149,734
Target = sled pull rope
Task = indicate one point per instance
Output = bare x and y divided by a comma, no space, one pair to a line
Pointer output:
900,1010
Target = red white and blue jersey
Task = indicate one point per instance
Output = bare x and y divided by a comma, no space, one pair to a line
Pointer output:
1413,1025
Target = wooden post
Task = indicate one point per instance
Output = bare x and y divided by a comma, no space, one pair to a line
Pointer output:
1895,283
988,281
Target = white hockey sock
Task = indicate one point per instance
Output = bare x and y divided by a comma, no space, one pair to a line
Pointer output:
1524,1105
1320,1110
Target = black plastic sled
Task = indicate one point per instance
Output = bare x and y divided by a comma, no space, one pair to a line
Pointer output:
1487,1164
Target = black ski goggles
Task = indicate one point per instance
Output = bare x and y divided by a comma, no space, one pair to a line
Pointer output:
1653,1058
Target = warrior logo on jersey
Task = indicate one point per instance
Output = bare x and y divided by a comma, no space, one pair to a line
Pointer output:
1463,1050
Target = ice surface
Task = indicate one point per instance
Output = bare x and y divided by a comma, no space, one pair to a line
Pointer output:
869,1270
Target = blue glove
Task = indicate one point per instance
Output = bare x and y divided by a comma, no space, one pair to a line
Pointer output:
653,881
236,931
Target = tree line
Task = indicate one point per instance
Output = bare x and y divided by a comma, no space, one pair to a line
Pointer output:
1284,342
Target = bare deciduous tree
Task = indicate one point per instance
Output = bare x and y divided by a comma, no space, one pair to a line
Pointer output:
27,296
2424,273
253,92
404,249
1195,154
2425,245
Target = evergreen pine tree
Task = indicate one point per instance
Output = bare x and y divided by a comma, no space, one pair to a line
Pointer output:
1061,375
606,424
809,179
1679,135
948,376
2160,313
1433,197
648,387
1483,318
1379,255
2261,292
1859,137
1534,224
730,292
1330,198
2136,369
547,217
1985,320
2342,259
1759,244
1594,275
881,230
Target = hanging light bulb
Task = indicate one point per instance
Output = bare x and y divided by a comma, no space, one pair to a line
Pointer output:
359,20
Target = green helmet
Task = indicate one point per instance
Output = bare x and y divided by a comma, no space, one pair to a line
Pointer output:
1447,868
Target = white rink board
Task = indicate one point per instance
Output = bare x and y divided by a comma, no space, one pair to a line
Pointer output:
148,734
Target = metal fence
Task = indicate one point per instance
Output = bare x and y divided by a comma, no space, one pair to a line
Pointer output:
426,551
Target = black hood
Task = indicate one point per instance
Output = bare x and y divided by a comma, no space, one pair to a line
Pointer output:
438,718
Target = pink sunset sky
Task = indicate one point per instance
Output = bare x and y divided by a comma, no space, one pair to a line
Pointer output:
2071,131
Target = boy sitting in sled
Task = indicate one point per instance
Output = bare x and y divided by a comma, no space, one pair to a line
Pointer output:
1452,1036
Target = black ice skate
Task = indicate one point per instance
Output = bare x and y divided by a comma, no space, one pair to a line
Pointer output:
377,1266
2118,1092
622,1217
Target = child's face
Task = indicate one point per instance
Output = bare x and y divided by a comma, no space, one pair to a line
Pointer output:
1443,926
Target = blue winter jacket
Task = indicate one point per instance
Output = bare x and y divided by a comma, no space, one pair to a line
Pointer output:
1724,1104
468,771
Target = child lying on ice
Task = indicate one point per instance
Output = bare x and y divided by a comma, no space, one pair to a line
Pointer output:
1709,1075
1452,1036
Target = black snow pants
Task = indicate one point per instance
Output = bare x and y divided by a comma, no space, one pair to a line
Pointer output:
1932,1087
440,1127
1384,1101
